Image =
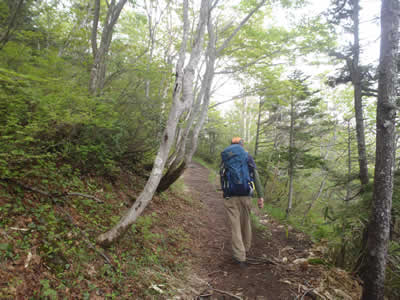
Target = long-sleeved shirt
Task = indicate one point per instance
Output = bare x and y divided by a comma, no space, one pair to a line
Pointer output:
254,174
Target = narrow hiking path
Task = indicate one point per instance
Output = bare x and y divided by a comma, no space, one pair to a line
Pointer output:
285,274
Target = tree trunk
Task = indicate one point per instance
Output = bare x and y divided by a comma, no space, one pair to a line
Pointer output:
185,152
5,36
96,16
179,104
212,55
154,15
79,24
170,177
183,138
243,119
98,70
315,198
348,191
291,158
356,80
379,226
325,171
258,128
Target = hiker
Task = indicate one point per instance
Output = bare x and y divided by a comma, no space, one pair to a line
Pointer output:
239,177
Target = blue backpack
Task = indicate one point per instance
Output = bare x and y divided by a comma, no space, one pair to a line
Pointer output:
234,172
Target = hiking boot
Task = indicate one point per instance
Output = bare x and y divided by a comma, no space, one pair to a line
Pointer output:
241,264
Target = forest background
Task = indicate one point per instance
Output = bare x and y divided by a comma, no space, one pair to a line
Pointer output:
96,89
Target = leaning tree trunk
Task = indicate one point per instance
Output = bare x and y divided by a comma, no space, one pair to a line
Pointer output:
182,140
183,158
379,226
179,104
185,154
98,70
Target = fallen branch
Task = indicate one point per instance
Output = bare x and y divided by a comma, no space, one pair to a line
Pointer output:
19,229
308,292
84,195
227,293
205,295
208,292
86,240
52,195
83,233
215,272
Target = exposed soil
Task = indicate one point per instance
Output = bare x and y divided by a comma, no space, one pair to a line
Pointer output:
288,276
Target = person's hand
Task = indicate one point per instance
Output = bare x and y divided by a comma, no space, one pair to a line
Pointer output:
260,202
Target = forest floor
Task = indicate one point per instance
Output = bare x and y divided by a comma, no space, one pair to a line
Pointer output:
289,265
179,249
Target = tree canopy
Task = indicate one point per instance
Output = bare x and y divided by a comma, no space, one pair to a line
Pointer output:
97,88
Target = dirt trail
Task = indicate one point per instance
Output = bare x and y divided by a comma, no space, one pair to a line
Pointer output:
286,279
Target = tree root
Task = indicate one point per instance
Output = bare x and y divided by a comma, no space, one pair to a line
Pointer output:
259,261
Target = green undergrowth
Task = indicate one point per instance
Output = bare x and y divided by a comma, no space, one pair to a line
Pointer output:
313,225
48,248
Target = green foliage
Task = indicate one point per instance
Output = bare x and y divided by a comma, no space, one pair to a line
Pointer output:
60,237
50,122
275,212
318,261
392,270
55,136
47,291
6,251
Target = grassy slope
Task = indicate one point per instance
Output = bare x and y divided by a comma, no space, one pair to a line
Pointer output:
47,245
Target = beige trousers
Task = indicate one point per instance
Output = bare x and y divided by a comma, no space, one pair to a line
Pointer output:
238,210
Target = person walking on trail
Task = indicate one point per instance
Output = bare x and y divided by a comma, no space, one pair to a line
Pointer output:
239,178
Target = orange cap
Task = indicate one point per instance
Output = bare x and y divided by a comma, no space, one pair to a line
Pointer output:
237,140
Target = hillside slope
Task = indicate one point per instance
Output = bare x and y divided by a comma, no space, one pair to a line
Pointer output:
179,249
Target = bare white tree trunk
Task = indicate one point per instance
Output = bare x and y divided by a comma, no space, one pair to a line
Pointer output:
184,84
212,53
211,57
184,157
